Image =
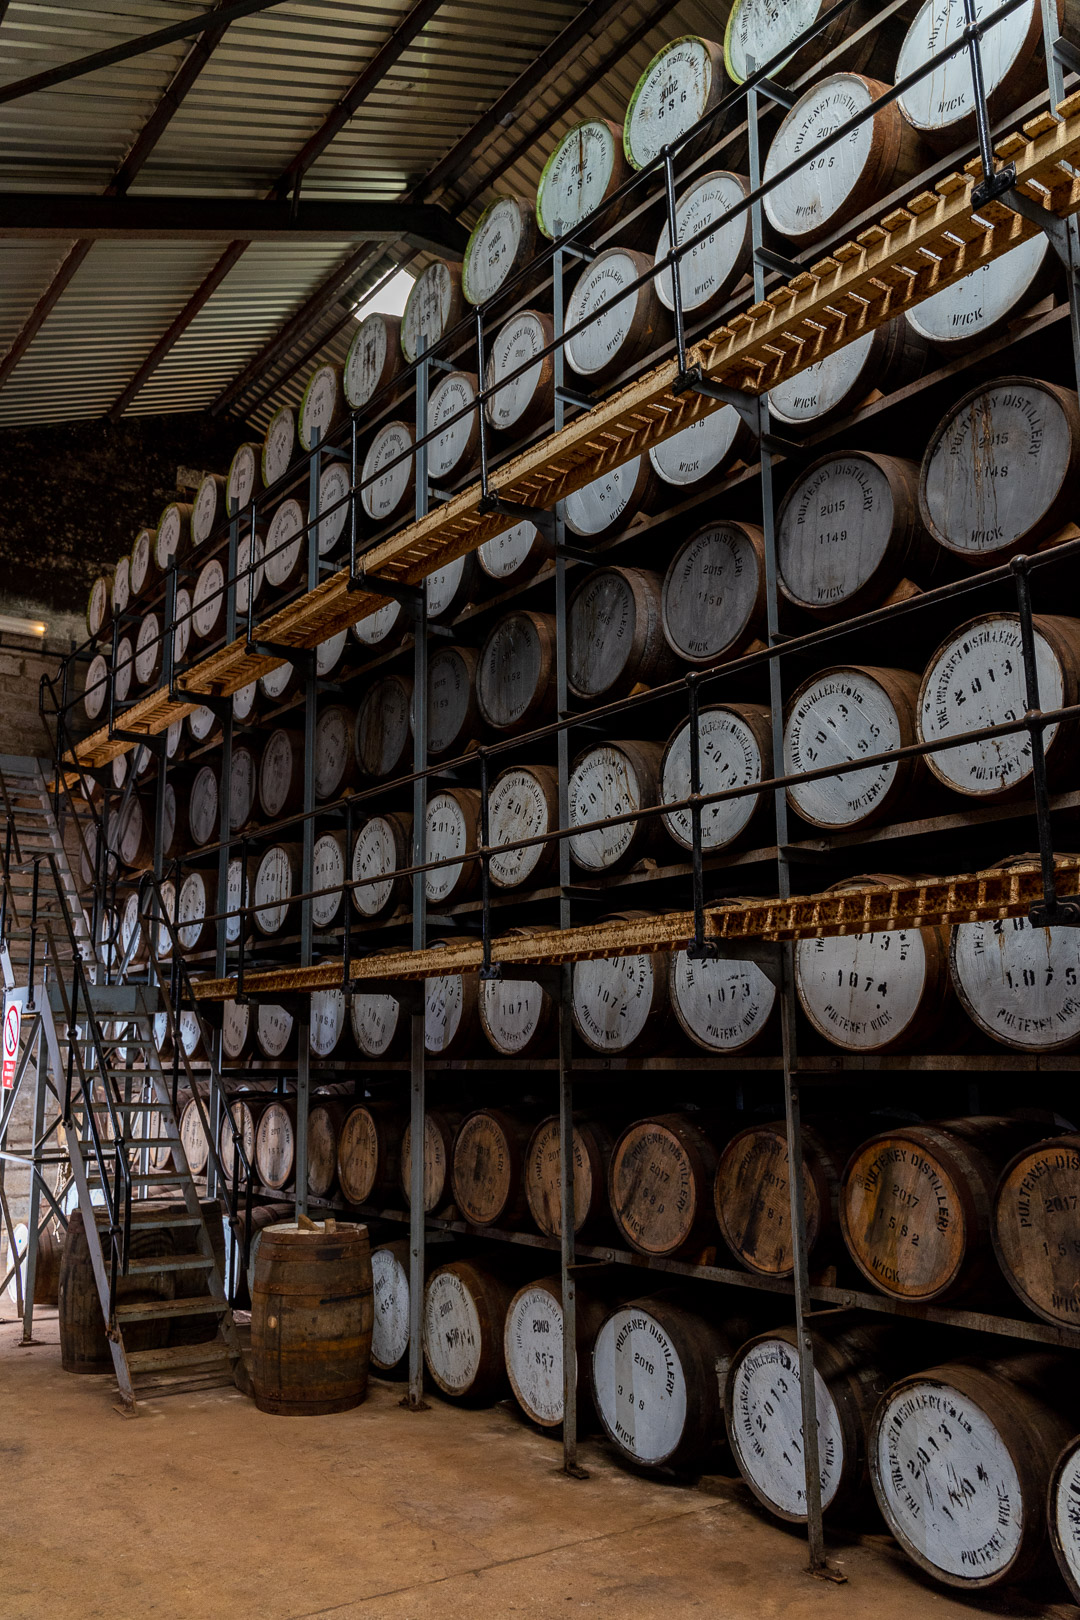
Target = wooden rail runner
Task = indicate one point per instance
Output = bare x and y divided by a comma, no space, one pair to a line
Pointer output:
891,267
980,896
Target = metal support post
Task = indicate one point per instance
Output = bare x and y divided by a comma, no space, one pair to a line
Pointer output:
41,1077
307,857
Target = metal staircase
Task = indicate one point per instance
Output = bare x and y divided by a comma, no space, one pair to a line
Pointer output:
31,836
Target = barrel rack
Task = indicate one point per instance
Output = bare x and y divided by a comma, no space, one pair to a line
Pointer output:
1020,182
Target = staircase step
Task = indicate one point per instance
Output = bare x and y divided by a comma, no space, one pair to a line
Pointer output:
160,1178
175,1356
219,1376
164,1223
182,1262
157,1310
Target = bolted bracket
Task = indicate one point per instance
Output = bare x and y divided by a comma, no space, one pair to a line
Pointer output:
1056,913
994,185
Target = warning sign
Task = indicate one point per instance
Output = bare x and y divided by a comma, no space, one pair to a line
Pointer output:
12,1027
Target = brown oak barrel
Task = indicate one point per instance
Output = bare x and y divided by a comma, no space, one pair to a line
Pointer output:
209,602
704,449
250,572
1002,469
518,1015
46,1265
237,1031
759,30
244,478
196,905
322,406
99,604
329,860
465,1306
533,1346
734,750
453,717
621,1005
275,1031
523,802
329,1032
837,384
123,670
278,877
609,503
132,838
613,779
487,1172
660,1181
121,585
752,1193
335,751
149,650
581,172
615,636
976,679
369,1152
983,304
722,1004
324,1125
193,1138
279,684
84,1347
880,992
1036,1230
452,829
1064,1517
592,1145
988,1432
311,1318
515,676
517,404
95,695
383,628
388,474
850,175
172,539
279,445
837,717
383,845
384,727
451,1012
285,552
238,1129
275,1143
515,554
683,82
144,573
374,359
281,773
501,243
208,508
714,593
711,270
239,878
849,531
390,1292
658,1372
916,1206
243,788
433,308
454,419
441,1126
378,1028
452,587
617,331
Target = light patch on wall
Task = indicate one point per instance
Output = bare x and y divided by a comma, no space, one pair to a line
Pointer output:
388,298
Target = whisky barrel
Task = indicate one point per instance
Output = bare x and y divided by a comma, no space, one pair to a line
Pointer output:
134,942
660,1181
331,656
839,716
658,1372
581,172
244,478
488,1167
279,445
149,650
453,716
96,690
879,992
335,499
377,1025
533,1346
710,271
275,1031
383,844
714,593
515,677
609,503
615,637
181,635
501,243
837,384
324,1124
621,1004
280,684
454,418
165,913
613,779
451,830
684,81
123,671
46,1265
133,837
707,446
433,308
982,304
208,509
591,1153
1035,1233
384,727
322,406
441,1126
144,571
285,554
238,1130
275,1143
281,773
752,1194
1002,469
987,1434
1018,983
515,554
243,788
465,1306
520,403
99,604
452,588
209,602
203,725
1063,1515
193,1138
916,1205
250,570
328,1026
518,1015
618,331
763,1405
451,1013
329,858
84,1347
734,751
237,1031
759,31
197,904
121,585
388,475
172,539
369,1152
876,157
278,877
390,1291
311,1318
722,1004
976,679
848,532
523,803
335,751
374,359
239,878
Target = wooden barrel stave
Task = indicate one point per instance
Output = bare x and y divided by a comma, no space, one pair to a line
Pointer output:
311,1319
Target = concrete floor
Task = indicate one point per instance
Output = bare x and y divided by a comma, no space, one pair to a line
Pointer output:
204,1507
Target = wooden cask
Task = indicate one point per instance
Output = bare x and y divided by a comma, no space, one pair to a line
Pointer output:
1018,983
250,571
134,942
615,636
280,685
166,913
195,909
976,679
377,1025
752,1194
369,1152
434,307
592,1145
133,837
275,1143
244,478
84,1347
46,1266
193,1139
322,406
441,1126
388,475
522,399
710,271
453,714
533,1346
488,1167
660,1181
708,446
734,751
237,1032
209,602
763,1405
335,500
121,585
1002,469
465,1306
384,743
839,716
123,671
514,555
243,788
684,81
275,1031
144,572
835,386
95,695
987,1432
285,556
714,593
451,831
518,1015
279,446
239,880
172,540
849,532
515,676
523,803
203,725
281,773
149,650
882,992
383,844
982,304
99,604
390,1292
916,1206
760,30
331,655
609,503
876,157
621,1004
450,589
582,171
374,359
324,1125
613,779
454,418
278,876
208,509
311,1318
658,1374
328,1026
1036,1231
501,243
1063,1514
329,861
616,331
721,1004
451,1013
335,751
